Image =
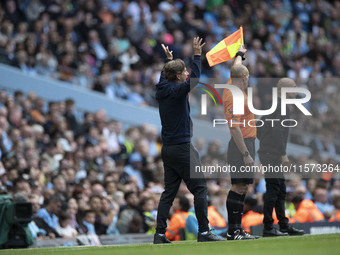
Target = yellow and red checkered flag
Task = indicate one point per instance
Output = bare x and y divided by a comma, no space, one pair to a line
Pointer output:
225,49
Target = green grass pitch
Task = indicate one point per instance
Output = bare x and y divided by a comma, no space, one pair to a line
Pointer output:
309,245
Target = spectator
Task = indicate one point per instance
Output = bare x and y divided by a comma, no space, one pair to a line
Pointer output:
69,115
20,185
136,224
306,210
149,215
72,211
87,225
336,211
47,217
217,222
112,229
50,156
181,207
59,186
134,168
64,229
36,232
96,45
5,143
250,217
110,188
321,202
127,212
96,206
120,87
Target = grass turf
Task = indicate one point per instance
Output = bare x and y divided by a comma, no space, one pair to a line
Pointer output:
309,245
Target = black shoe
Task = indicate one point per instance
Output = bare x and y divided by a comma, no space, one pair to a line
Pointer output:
209,237
290,230
158,239
248,236
273,232
240,234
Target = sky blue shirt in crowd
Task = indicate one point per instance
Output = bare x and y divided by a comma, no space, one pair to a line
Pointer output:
90,228
51,220
7,143
135,173
324,207
35,230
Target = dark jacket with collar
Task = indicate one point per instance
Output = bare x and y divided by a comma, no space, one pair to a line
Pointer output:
174,108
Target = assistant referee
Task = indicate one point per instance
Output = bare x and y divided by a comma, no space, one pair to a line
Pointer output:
241,148
178,154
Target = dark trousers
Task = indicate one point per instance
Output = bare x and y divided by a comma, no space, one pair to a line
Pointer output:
178,161
275,193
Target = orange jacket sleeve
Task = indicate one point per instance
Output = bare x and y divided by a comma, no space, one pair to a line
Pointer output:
301,216
172,232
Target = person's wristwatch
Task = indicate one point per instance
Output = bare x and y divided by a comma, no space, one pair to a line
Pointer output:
245,154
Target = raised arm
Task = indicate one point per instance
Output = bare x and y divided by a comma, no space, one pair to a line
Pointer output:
169,57
196,65
239,57
195,74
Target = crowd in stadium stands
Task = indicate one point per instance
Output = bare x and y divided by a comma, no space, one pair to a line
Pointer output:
88,175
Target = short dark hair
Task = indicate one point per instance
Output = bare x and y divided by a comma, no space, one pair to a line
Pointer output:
95,196
144,200
18,93
252,202
297,199
184,203
172,68
89,211
128,194
64,216
59,176
19,180
69,101
54,199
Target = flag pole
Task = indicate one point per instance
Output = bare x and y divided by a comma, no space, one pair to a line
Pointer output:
241,28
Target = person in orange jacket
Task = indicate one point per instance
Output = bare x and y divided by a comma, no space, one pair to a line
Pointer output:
276,220
181,207
336,217
215,218
217,222
336,212
306,210
250,217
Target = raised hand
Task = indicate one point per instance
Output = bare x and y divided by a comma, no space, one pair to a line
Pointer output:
168,53
242,49
198,46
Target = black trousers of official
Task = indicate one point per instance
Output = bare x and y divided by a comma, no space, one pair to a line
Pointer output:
275,192
178,161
